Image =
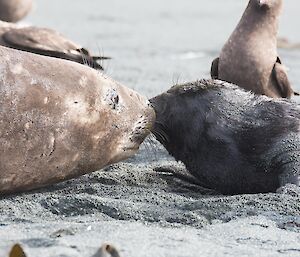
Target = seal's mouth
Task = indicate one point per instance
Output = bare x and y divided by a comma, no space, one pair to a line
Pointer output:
141,130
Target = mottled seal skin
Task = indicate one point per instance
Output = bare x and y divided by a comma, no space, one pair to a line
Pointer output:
14,10
251,52
46,42
231,140
60,119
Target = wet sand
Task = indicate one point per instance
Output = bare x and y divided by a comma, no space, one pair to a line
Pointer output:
143,212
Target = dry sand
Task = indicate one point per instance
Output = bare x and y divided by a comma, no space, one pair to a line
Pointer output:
142,212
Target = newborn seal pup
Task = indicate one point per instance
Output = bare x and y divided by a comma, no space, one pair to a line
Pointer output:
46,42
14,10
229,139
249,58
60,119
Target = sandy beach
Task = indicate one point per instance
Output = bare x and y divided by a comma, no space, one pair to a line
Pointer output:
143,212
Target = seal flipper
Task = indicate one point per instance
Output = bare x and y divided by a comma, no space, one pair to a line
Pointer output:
214,70
289,169
186,177
291,172
49,43
282,81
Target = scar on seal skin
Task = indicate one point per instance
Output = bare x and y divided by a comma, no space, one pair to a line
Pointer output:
48,42
60,120
231,140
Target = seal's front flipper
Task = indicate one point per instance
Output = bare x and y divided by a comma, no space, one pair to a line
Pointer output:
180,173
214,70
177,173
282,82
290,174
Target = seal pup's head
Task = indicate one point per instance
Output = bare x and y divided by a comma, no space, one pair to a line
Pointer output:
176,110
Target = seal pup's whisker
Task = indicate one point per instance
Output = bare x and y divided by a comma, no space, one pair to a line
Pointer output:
160,134
176,79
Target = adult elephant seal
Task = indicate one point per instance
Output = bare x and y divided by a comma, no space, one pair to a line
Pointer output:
46,42
14,10
60,120
231,140
251,52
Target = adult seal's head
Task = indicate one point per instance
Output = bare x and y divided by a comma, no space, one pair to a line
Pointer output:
231,140
14,10
60,120
251,52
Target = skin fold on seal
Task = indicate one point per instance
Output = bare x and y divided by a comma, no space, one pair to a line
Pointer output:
46,42
230,140
251,52
60,120
14,10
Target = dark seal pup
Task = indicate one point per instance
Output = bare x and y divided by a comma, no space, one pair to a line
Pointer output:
231,140
249,58
46,42
60,120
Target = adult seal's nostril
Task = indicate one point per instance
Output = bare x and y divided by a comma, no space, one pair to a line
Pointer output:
60,120
231,140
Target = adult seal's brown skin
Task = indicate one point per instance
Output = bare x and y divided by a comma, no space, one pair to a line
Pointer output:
46,42
14,10
60,119
249,58
230,140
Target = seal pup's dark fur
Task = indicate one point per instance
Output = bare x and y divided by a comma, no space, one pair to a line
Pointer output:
251,52
231,140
